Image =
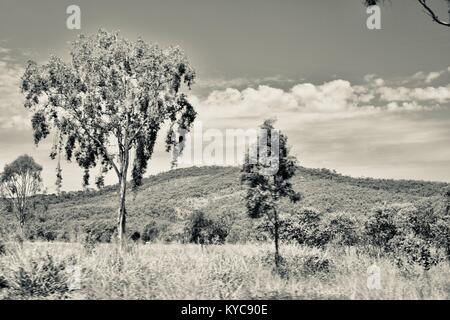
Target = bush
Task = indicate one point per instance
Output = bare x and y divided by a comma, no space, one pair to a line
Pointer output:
2,248
441,231
3,282
150,232
99,232
380,227
305,227
204,230
38,278
174,232
418,220
135,236
46,235
342,229
95,233
243,231
409,249
410,234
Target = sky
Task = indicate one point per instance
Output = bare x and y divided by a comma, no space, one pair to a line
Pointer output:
372,103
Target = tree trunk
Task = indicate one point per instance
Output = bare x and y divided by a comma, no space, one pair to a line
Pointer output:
121,217
22,229
122,213
276,236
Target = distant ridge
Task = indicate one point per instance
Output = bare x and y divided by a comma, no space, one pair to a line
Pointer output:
173,195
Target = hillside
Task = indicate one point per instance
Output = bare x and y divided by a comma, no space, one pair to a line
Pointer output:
171,196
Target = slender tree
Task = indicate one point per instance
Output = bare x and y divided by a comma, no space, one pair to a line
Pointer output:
20,181
108,104
447,201
426,8
268,185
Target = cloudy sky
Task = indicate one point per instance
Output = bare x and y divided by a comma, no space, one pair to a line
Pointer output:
372,103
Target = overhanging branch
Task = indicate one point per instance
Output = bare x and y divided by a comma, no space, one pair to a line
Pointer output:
432,14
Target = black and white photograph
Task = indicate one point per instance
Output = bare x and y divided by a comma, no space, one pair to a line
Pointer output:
224,150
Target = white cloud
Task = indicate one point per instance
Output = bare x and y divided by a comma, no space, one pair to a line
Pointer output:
437,94
221,83
12,112
330,100
4,50
432,76
332,125
427,77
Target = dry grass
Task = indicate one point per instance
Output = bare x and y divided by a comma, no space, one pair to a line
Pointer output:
175,271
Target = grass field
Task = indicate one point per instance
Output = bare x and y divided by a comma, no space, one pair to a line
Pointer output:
175,271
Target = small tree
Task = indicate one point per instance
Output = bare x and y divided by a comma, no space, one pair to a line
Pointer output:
20,181
266,187
447,202
110,101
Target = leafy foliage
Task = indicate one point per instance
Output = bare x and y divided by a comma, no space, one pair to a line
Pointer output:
2,248
19,183
266,187
114,90
342,228
412,234
135,236
380,226
305,227
204,230
169,198
38,278
150,232
100,231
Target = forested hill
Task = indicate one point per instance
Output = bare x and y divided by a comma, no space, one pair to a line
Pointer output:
173,195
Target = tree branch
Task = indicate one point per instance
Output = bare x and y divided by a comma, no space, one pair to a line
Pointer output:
431,13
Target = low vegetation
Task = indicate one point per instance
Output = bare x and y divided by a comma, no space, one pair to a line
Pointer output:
196,242
188,271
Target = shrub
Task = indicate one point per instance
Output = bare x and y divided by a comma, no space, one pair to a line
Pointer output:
150,232
38,278
2,248
46,235
95,233
441,231
411,234
243,231
174,232
99,232
342,229
418,220
135,236
409,249
3,282
204,230
305,227
380,227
